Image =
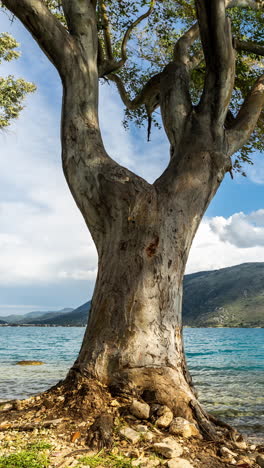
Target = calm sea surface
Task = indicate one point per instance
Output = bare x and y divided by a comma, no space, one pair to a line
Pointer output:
227,366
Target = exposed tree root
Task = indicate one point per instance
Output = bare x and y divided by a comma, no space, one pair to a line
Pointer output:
85,405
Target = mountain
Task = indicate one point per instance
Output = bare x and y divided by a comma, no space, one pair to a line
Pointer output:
230,297
2,322
77,317
31,317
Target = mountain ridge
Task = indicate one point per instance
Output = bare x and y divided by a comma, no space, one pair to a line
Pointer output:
228,297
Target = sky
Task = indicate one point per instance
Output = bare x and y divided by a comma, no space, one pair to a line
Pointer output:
47,258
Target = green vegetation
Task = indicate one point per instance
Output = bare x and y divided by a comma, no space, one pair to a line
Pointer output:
107,459
25,459
230,297
12,91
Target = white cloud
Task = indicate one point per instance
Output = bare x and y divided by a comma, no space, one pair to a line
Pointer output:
222,242
241,230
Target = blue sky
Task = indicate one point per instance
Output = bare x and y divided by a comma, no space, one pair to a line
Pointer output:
47,257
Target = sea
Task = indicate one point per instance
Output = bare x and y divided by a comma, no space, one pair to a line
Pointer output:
227,366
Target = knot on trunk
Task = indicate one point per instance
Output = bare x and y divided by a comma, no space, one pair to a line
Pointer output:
151,249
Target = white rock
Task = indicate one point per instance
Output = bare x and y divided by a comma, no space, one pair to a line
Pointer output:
241,445
130,434
139,410
165,417
179,463
168,448
260,460
184,428
253,447
226,452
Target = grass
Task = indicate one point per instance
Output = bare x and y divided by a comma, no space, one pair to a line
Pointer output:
110,460
24,459
32,457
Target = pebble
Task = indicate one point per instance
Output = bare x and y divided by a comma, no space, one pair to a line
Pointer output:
184,428
168,448
179,463
140,410
224,451
130,434
165,417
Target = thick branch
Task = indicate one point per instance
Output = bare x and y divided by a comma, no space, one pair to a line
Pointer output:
51,36
216,39
253,4
149,95
250,47
81,21
247,118
181,48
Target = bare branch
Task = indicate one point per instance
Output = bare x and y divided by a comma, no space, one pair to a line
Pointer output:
148,96
51,36
247,118
129,31
218,50
251,47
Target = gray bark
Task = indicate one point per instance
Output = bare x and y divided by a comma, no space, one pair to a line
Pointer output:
143,232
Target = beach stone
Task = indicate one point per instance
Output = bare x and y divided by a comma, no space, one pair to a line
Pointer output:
168,448
130,434
260,460
225,452
29,363
140,410
179,463
165,417
241,445
184,428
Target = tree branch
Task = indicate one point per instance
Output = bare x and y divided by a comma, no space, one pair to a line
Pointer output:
181,48
218,50
107,35
253,4
82,25
51,36
149,95
247,118
251,47
130,29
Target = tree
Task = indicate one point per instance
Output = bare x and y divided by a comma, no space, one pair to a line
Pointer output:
12,91
143,232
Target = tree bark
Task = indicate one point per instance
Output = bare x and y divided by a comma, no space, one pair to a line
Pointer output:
143,234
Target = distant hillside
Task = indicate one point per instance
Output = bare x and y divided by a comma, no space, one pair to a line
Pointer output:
229,297
32,317
2,322
77,317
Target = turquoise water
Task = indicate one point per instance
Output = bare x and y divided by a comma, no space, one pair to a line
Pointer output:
227,366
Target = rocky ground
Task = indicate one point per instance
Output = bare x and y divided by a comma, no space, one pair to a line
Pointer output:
46,431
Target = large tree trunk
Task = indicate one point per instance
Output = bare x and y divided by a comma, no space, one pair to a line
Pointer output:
143,234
